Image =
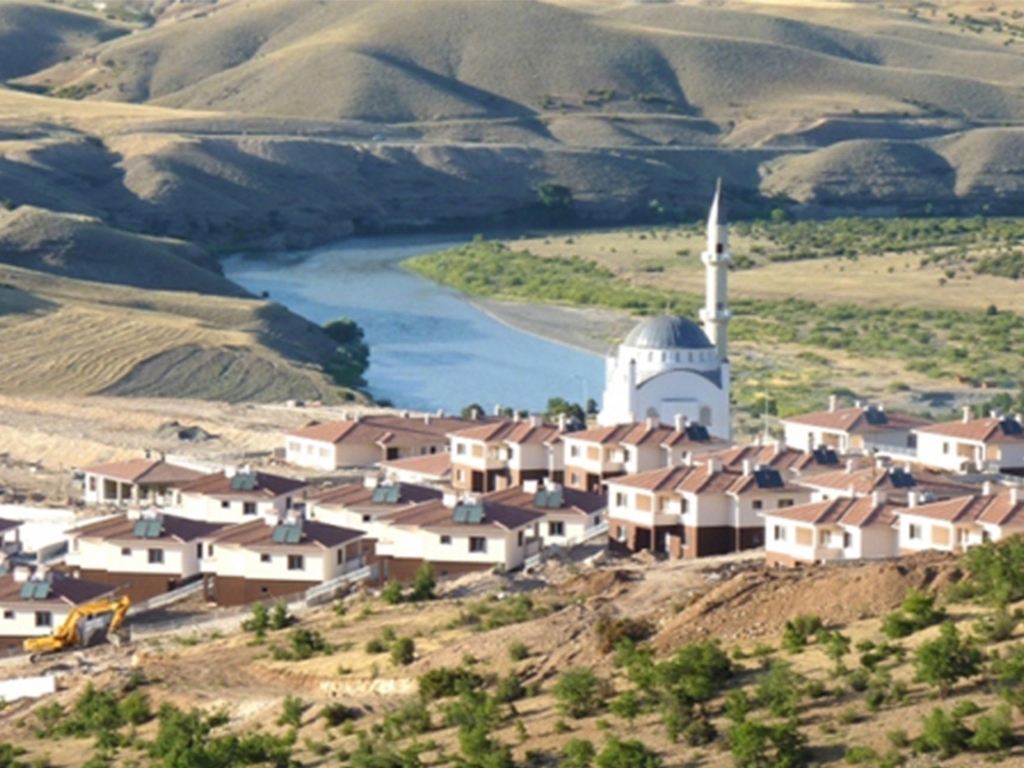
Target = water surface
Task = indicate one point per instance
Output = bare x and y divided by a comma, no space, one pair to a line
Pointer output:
429,348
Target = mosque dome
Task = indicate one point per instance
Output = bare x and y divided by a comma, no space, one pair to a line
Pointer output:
667,332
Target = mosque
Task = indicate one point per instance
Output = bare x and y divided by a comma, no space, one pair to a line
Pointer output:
668,367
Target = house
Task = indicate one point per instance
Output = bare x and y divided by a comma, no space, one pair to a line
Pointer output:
432,469
365,440
143,556
456,537
898,483
569,516
10,538
956,524
504,453
696,510
35,604
994,444
860,429
360,505
270,558
235,496
593,455
790,462
845,528
135,481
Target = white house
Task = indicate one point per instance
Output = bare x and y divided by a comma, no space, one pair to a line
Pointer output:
897,482
848,528
361,505
136,481
10,540
456,537
143,556
236,496
501,454
860,429
569,516
668,366
956,524
995,444
433,469
364,440
269,558
35,604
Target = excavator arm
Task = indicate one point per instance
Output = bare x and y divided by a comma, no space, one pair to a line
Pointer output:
85,625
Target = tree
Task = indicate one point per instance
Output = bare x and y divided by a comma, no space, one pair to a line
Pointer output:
627,706
577,753
558,406
423,584
471,409
556,199
403,652
291,711
392,592
344,331
759,745
947,659
627,754
579,692
943,733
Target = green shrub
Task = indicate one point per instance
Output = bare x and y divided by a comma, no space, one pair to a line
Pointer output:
943,734
279,616
799,631
577,753
860,755
917,612
947,659
403,652
448,681
997,627
509,689
336,714
993,732
392,593
375,645
259,622
779,690
134,708
291,711
610,632
628,706
757,745
423,584
579,692
518,650
410,719
627,754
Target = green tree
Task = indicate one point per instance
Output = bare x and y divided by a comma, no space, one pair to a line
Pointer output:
344,331
943,733
403,652
579,692
760,745
558,406
392,592
993,732
291,711
577,753
279,616
627,754
556,199
627,706
947,659
423,583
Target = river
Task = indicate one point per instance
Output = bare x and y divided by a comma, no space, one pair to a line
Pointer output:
430,348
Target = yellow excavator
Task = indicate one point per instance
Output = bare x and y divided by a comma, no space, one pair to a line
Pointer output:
86,625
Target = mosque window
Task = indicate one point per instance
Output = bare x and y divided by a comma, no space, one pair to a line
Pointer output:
719,248
705,416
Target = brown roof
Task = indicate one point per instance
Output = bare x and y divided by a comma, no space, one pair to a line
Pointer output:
265,486
385,429
665,479
696,479
122,528
436,465
574,502
858,513
64,589
434,514
257,533
996,509
869,479
509,431
144,471
853,420
639,433
354,495
776,455
981,430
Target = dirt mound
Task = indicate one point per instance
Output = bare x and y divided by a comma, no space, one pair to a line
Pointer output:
173,430
758,603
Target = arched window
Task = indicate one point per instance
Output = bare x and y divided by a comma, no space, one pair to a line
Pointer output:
705,416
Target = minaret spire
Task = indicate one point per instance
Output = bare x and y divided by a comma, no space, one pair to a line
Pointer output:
716,258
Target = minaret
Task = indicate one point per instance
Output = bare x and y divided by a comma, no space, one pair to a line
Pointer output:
716,258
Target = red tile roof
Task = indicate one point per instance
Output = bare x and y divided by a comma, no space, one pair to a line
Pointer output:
575,502
258,534
508,431
143,471
696,479
862,512
122,527
385,429
64,589
434,465
639,433
356,495
996,509
266,486
979,430
435,515
853,420
869,479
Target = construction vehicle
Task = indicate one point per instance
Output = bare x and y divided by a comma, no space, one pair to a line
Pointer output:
86,625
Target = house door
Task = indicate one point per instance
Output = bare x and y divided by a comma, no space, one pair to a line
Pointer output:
643,539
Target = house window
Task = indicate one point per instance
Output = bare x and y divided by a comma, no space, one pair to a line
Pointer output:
249,508
574,451
574,479
847,541
446,539
126,551
225,504
945,447
8,614
209,550
986,536
914,531
556,528
44,619
265,558
625,455
296,563
779,533
620,533
621,500
199,551
460,449
366,518
757,504
156,556
520,539
341,557
460,475
511,453
287,502
477,544
783,503
92,483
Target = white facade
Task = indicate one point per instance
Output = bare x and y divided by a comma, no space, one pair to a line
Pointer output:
217,509
810,543
326,456
279,562
175,559
26,618
959,454
507,549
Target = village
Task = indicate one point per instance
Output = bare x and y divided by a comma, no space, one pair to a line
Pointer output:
376,497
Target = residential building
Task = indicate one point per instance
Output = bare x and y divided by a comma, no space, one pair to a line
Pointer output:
35,604
860,429
270,558
10,539
569,516
136,481
360,505
432,469
956,524
697,510
850,528
790,462
897,482
994,444
234,496
669,366
457,537
592,455
364,440
501,454
143,556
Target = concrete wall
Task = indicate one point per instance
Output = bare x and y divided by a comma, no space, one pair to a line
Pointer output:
315,454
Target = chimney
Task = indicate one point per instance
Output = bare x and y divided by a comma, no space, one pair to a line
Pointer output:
851,464
357,417
536,421
497,409
680,422
878,497
881,462
780,446
371,481
474,413
911,499
426,419
994,414
833,402
687,458
450,499
1014,495
748,467
858,403
967,413
651,423
21,573
563,422
1020,418
440,413
714,464
515,416
405,414
986,488
229,472
271,518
